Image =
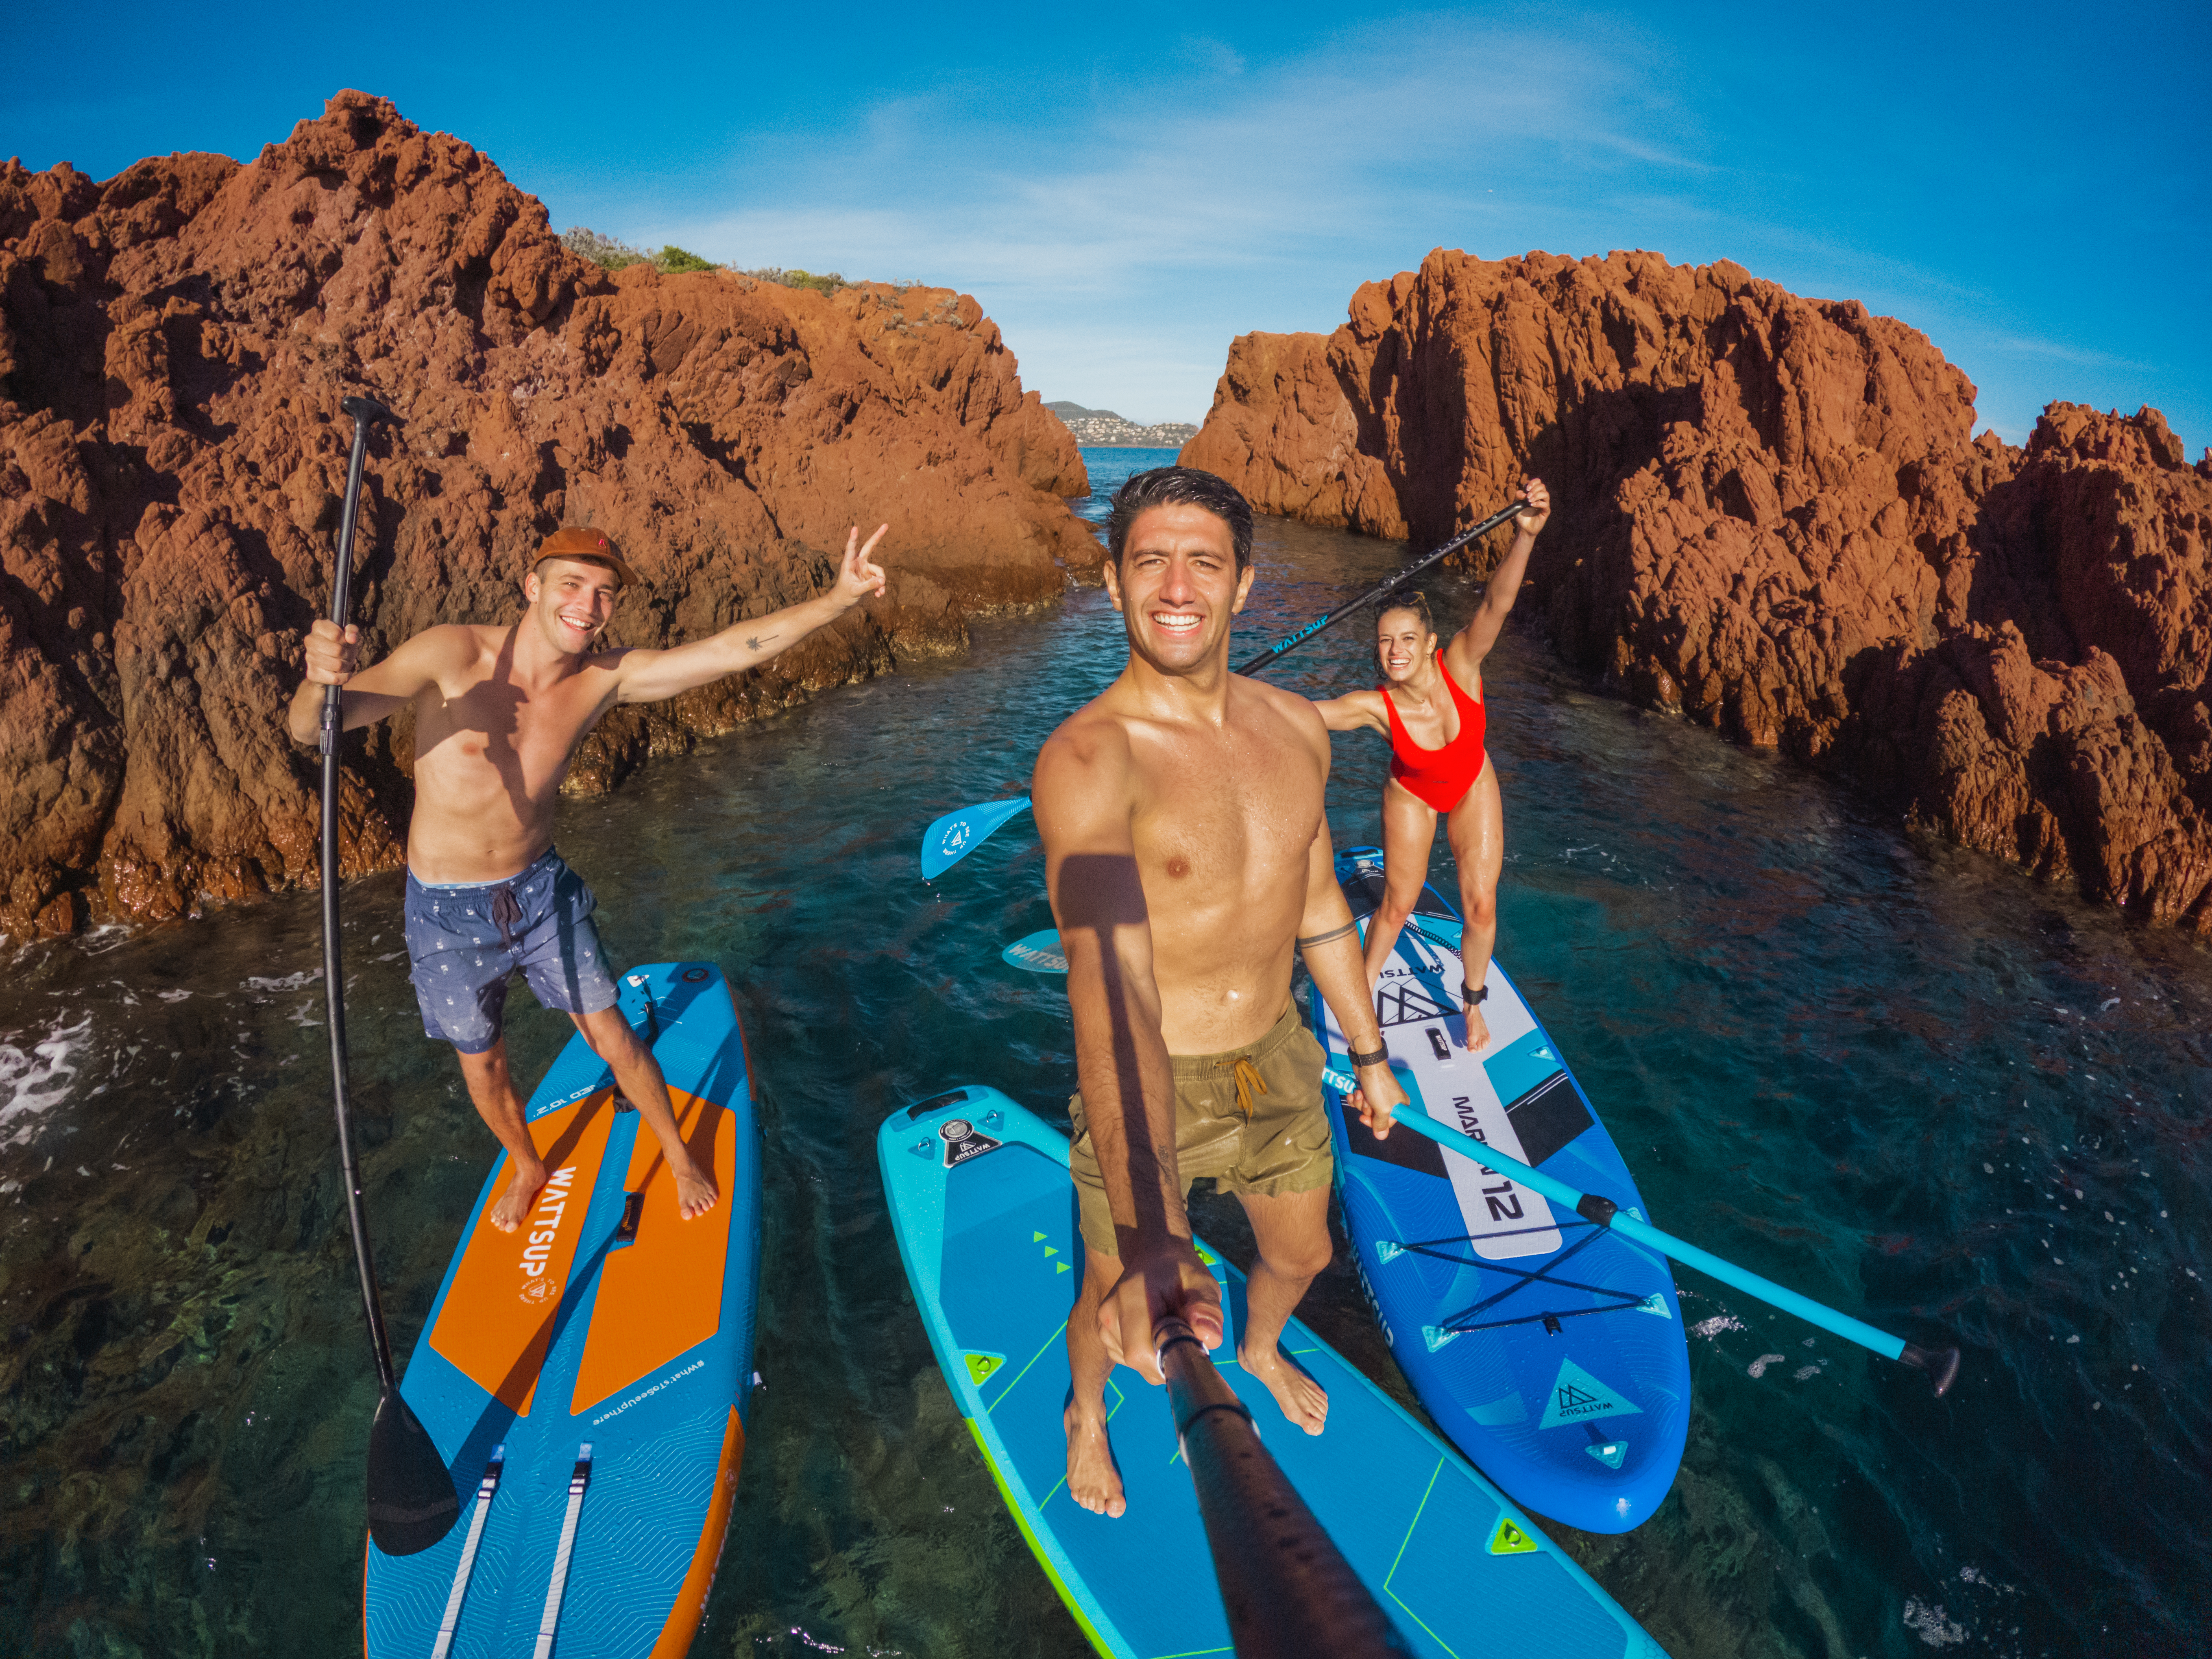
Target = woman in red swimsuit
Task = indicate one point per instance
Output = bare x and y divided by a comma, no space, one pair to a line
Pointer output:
1430,705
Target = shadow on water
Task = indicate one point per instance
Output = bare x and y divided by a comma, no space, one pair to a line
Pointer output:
1902,1079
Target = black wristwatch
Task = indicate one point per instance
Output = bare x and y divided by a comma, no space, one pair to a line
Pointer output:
1373,1056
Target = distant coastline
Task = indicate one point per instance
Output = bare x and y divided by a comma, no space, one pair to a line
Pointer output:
1101,428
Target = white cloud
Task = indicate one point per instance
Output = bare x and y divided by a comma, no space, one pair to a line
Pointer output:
1135,236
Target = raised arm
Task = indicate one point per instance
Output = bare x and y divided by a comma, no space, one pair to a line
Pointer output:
1328,940
1082,796
1464,655
654,676
374,692
1355,711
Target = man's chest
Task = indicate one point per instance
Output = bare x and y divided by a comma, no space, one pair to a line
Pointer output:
1220,822
503,725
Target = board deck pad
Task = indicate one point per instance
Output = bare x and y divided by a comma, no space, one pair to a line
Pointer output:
1550,1351
610,1322
990,1246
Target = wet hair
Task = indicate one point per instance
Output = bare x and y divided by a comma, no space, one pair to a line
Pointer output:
1180,486
1412,599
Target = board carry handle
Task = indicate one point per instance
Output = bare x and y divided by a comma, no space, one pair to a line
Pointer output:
1287,1588
1942,1364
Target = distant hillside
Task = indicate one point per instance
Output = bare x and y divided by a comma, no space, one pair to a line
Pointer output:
1106,430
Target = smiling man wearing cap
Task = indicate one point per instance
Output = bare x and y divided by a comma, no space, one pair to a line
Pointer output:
498,714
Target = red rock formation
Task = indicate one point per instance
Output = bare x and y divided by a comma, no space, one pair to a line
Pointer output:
1772,517
173,346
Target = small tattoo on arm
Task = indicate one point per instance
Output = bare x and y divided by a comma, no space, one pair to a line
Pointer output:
755,641
1334,933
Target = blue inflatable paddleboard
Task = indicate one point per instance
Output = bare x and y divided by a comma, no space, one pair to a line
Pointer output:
588,1377
984,1212
1550,1350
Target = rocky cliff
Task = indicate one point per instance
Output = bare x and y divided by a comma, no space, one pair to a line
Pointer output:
1773,517
173,346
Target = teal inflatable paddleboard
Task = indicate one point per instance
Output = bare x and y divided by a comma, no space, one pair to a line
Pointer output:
1551,1349
983,1209
588,1377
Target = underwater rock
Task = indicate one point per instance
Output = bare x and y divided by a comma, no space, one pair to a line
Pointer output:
173,346
1772,516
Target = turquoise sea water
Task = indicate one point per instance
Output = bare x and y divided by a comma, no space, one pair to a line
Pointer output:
1904,1079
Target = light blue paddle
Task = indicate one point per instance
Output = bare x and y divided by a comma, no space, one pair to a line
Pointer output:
1040,952
954,836
1942,1364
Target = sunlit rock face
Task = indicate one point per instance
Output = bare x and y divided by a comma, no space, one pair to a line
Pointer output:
1773,516
173,347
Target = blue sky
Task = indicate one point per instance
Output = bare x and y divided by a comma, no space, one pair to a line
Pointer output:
1125,189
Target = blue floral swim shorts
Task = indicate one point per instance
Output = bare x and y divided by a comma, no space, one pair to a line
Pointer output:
466,942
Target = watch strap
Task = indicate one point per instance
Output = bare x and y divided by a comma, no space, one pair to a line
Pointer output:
1374,1056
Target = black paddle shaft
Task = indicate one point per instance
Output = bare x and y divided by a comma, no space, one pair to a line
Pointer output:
367,412
1384,592
1287,1588
411,1500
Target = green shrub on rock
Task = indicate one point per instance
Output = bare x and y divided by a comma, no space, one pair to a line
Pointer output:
602,250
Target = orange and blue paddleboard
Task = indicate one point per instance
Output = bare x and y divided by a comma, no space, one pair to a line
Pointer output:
588,1378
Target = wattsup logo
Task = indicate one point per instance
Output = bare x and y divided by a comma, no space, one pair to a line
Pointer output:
953,840
537,1284
963,1141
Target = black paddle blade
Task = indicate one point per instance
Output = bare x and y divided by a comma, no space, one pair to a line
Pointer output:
368,409
411,1500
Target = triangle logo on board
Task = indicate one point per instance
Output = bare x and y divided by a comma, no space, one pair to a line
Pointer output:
1579,1397
1510,1540
981,1365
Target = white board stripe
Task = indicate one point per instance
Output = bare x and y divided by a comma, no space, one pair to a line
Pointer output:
1503,1218
558,1587
485,1488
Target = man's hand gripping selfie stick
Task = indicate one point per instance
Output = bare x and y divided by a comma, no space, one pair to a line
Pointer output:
1290,641
1942,1364
1287,1586
411,1501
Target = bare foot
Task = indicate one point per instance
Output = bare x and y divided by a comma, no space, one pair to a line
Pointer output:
1303,1400
1478,1030
508,1212
1094,1478
694,1195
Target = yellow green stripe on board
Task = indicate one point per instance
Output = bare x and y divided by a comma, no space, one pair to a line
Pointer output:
1036,1548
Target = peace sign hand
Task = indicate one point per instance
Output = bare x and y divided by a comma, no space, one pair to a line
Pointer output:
858,576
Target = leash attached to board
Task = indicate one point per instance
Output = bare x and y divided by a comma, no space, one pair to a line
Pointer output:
1285,1586
411,1501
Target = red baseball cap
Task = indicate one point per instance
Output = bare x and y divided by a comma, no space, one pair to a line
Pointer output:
576,542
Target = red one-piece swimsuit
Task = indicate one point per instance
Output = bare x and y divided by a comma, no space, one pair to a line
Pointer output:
1442,776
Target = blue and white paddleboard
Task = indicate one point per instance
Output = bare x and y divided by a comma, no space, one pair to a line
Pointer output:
587,1376
984,1212
1552,1351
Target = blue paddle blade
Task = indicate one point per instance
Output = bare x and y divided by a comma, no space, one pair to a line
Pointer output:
957,835
1040,952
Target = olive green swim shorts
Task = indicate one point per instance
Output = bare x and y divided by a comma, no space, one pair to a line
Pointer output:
1250,1119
